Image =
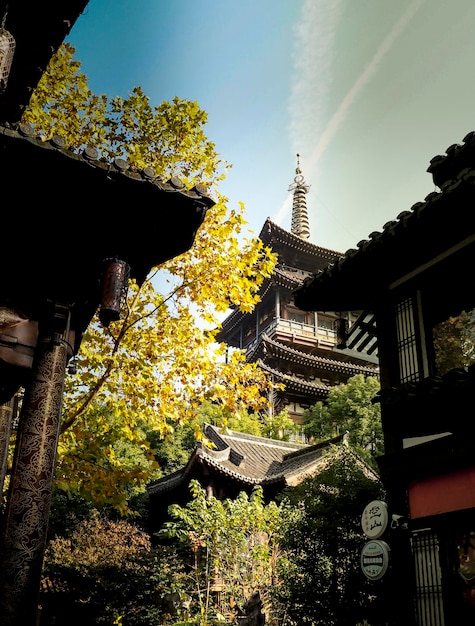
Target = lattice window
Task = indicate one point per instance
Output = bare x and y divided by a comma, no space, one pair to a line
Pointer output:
409,370
428,575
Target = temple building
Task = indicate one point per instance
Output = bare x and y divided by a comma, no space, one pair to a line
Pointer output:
414,276
233,462
298,349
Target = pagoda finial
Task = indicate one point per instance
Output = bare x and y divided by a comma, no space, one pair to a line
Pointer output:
300,224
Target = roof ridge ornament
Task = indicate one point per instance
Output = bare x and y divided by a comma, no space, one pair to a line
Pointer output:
300,224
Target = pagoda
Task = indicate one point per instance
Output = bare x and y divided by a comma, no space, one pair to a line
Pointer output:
301,350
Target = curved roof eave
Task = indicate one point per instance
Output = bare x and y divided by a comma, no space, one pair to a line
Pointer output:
416,238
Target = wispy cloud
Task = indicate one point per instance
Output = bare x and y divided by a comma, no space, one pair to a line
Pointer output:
314,50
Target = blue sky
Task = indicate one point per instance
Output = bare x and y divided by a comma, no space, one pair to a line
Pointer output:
367,91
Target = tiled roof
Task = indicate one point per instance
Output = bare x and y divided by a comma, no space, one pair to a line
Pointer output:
268,346
39,27
86,205
34,148
312,389
445,220
288,277
252,460
309,254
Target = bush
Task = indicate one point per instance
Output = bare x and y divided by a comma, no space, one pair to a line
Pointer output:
106,572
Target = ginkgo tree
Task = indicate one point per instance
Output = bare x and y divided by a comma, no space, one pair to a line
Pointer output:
153,367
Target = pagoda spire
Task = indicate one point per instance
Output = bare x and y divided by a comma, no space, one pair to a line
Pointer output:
300,224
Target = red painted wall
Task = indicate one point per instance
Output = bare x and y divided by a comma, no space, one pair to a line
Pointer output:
442,494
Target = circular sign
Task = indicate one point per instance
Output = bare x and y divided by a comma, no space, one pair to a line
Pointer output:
374,520
375,559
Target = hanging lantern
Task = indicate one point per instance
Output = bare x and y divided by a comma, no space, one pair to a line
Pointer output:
114,284
341,328
7,48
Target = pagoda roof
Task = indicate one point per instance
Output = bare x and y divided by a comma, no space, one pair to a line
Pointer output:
309,388
436,236
290,247
252,460
270,347
288,277
290,271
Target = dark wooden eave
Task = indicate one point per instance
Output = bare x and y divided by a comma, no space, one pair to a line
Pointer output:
67,212
427,406
436,237
39,28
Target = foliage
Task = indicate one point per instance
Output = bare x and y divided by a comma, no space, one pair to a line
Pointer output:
168,138
104,571
454,342
152,369
99,461
349,407
321,569
245,422
280,426
231,545
67,511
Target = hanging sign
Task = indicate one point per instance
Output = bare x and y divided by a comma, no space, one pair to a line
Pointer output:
375,559
374,520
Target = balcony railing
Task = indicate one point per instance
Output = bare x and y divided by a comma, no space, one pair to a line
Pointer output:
294,327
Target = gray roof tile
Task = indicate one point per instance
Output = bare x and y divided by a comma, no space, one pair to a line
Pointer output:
253,460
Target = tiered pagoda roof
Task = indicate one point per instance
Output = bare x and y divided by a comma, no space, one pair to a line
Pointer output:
297,260
270,347
313,390
294,251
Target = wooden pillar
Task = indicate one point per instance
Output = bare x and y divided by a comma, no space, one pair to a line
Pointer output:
277,304
6,423
25,522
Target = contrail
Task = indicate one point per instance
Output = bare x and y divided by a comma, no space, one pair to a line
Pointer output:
365,77
360,83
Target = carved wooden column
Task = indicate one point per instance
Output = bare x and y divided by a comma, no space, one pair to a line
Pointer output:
26,517
6,420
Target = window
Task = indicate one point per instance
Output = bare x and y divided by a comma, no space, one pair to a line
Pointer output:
428,578
325,326
296,316
454,342
407,342
325,322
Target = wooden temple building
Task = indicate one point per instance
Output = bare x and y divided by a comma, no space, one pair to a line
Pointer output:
299,349
231,462
415,279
